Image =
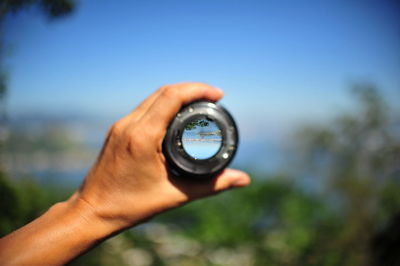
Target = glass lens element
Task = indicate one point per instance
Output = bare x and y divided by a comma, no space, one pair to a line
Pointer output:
201,139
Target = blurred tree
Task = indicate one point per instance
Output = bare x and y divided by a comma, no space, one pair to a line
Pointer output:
197,123
51,8
23,200
357,158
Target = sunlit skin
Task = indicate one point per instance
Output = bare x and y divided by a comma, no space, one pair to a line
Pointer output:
128,184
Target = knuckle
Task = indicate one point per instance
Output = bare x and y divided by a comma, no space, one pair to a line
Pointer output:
170,92
136,139
163,88
116,129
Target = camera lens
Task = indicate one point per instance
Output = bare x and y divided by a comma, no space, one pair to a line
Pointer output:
201,140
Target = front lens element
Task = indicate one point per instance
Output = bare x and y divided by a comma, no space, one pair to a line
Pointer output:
201,139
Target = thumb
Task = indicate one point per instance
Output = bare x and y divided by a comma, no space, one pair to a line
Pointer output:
230,178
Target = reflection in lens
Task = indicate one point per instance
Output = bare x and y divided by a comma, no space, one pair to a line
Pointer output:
201,139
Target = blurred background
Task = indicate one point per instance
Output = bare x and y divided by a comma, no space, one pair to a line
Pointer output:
314,87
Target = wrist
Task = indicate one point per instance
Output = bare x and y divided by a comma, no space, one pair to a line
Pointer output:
90,225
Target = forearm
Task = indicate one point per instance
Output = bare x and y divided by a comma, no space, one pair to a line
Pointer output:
65,231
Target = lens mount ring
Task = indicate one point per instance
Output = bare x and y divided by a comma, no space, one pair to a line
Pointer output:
179,161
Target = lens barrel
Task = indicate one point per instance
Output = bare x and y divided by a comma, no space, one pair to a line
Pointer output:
180,162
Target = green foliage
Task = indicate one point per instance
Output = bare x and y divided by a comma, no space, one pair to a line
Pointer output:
197,123
3,82
356,159
51,8
21,201
270,222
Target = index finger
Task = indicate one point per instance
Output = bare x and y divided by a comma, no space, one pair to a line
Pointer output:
173,97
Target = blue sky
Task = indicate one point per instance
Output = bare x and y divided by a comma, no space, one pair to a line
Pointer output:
278,62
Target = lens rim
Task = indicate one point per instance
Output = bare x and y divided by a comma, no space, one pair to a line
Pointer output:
179,161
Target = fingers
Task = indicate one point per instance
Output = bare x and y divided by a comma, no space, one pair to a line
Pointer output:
171,99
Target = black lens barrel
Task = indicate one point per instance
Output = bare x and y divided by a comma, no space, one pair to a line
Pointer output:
179,161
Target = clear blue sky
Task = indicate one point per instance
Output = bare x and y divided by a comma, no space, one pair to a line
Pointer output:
277,61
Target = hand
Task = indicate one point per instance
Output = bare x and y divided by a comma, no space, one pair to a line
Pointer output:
130,180
128,183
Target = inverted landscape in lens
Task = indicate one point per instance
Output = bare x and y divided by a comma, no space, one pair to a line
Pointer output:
201,139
